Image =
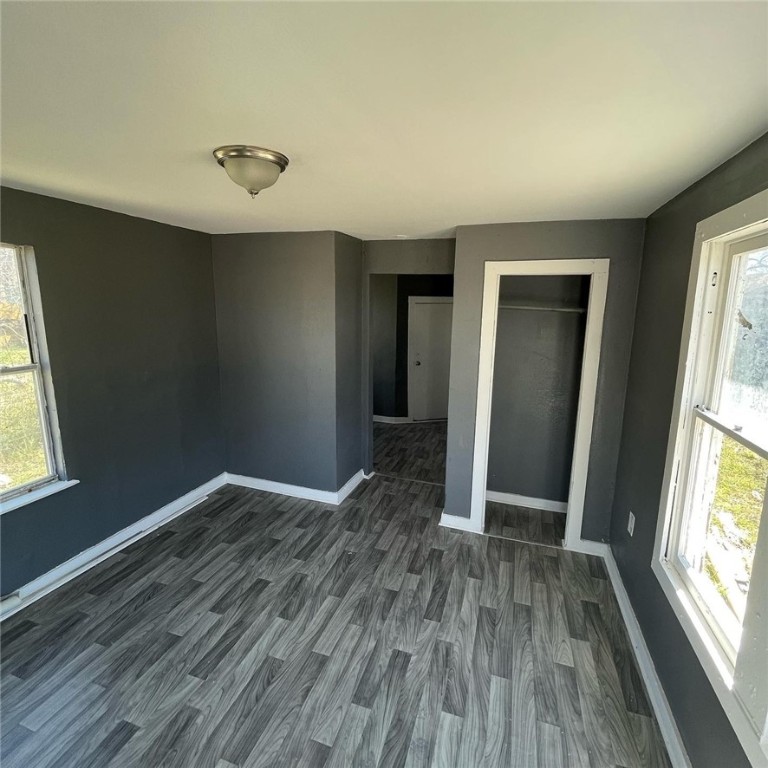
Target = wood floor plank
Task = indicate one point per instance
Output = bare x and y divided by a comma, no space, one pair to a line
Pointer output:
549,744
593,711
298,740
382,710
502,658
499,706
569,707
619,726
558,631
447,741
521,734
424,734
473,736
259,742
345,746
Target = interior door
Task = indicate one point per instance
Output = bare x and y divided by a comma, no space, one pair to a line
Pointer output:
429,356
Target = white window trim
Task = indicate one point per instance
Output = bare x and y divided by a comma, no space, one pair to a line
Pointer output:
738,222
57,480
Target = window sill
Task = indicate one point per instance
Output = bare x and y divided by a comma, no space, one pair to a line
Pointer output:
35,495
711,658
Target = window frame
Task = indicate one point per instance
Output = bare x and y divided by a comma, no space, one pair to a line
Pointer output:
56,479
728,671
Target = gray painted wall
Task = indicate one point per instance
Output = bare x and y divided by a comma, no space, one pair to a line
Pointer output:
414,257
536,379
618,240
653,371
349,356
129,316
286,304
276,315
383,342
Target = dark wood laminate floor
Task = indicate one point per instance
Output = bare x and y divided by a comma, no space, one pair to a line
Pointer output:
536,526
260,630
413,451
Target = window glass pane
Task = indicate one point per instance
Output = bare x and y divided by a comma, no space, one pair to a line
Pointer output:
22,445
744,397
14,349
722,533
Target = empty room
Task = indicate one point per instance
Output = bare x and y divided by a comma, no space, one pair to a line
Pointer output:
383,384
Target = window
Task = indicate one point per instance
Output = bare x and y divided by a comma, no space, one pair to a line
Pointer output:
725,467
712,544
30,455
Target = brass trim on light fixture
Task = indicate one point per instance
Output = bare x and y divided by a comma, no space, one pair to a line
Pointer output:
222,154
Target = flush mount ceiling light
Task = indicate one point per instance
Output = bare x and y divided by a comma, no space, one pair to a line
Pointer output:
253,168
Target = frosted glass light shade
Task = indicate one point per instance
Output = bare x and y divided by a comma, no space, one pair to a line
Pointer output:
253,168
252,173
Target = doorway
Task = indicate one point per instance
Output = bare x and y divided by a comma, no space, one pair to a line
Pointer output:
410,339
530,463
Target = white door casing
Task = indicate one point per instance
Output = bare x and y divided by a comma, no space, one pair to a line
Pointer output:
597,269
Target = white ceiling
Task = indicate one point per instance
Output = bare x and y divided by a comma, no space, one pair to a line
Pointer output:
399,119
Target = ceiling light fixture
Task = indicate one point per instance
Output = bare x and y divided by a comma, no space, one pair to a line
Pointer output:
253,168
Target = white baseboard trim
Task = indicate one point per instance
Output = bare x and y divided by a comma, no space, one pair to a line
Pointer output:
393,419
526,501
73,567
298,491
459,523
350,485
667,725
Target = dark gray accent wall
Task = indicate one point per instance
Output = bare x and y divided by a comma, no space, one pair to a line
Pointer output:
536,377
545,290
618,240
653,371
284,377
383,342
129,316
349,356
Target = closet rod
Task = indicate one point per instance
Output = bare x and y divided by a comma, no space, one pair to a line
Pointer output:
541,309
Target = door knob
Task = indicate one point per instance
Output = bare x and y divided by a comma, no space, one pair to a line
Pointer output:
418,362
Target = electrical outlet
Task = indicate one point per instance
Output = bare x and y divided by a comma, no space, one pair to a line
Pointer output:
631,524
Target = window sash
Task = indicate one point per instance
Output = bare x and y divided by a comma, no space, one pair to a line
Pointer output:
719,287
44,418
725,627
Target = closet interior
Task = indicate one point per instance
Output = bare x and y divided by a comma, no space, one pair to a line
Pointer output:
536,380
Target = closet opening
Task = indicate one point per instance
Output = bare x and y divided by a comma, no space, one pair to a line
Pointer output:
540,342
540,327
